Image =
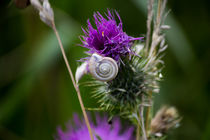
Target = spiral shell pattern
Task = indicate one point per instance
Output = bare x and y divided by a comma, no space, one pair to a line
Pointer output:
102,68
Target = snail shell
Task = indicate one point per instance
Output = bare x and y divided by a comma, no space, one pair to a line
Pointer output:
102,68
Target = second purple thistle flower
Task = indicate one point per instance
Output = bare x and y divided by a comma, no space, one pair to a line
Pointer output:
108,38
102,130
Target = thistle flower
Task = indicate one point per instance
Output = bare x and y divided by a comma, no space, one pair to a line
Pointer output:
102,130
108,39
133,81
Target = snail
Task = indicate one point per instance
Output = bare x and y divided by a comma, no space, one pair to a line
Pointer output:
101,68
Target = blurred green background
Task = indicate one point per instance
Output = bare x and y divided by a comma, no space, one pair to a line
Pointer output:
36,93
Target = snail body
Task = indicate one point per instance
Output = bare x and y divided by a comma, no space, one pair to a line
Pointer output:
102,68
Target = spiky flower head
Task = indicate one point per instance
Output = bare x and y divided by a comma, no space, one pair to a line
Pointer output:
108,38
102,130
135,80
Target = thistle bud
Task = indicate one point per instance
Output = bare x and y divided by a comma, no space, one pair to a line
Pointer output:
165,119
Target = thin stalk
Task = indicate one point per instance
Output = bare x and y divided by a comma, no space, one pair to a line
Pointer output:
73,81
148,115
159,13
142,122
147,120
149,21
141,117
138,132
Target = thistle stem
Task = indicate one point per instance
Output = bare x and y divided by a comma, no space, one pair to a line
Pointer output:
138,132
142,122
73,81
140,119
148,115
147,119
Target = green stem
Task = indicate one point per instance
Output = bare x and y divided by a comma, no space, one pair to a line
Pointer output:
140,120
144,135
73,81
148,114
138,132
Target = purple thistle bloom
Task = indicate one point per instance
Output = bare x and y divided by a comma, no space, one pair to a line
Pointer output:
102,131
108,39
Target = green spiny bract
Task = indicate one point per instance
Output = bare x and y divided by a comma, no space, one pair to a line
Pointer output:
137,77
